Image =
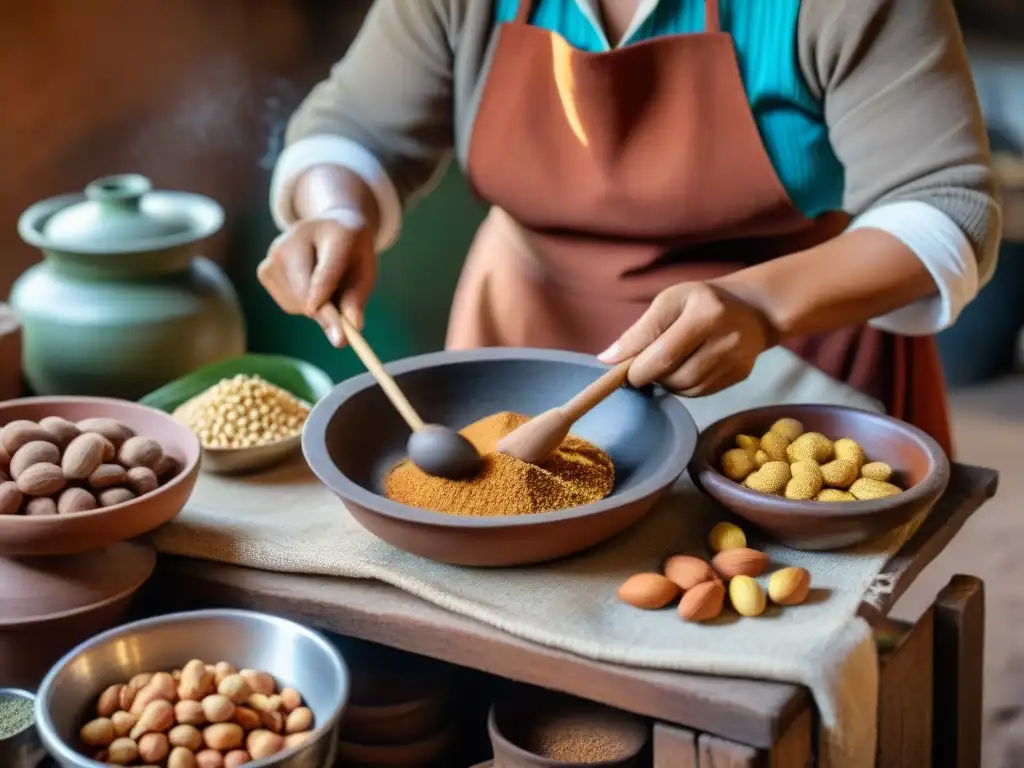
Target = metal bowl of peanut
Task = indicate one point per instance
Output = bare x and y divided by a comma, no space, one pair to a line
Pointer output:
221,688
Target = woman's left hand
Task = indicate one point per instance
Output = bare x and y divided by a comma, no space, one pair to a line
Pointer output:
694,339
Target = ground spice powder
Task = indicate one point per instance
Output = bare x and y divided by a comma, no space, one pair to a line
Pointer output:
570,739
577,473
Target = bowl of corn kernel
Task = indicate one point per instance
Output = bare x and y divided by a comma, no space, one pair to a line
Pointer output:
820,477
247,412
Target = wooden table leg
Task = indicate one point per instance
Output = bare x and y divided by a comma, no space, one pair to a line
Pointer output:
905,699
959,673
674,747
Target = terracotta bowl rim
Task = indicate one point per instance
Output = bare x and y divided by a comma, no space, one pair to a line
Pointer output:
707,475
314,443
184,476
148,554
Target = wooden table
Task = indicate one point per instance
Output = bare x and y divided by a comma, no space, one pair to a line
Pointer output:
930,701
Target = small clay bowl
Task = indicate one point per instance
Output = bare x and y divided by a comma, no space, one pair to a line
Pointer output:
22,749
48,605
85,531
354,437
517,724
418,754
920,467
397,698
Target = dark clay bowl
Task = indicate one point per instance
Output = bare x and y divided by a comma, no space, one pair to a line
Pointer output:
354,436
519,722
919,465
86,531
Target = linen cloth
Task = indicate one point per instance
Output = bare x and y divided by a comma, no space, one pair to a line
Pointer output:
284,520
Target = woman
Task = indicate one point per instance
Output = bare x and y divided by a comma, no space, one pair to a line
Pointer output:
688,181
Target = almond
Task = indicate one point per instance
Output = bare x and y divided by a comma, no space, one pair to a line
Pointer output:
61,430
41,480
10,498
740,562
74,500
17,433
107,476
789,586
140,452
166,468
703,602
113,496
40,507
83,456
113,430
35,452
746,596
648,590
687,572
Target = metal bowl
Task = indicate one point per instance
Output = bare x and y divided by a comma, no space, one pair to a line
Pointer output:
295,655
23,749
354,436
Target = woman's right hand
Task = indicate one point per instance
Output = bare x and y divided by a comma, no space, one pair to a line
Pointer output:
322,265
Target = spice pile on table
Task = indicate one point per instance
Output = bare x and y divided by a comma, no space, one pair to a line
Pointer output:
577,473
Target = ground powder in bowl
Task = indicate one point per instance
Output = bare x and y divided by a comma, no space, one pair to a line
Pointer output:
577,739
16,714
577,473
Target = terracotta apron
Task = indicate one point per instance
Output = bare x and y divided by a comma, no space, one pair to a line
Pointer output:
615,175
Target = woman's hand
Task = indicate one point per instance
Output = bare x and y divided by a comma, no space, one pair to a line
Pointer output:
694,339
328,260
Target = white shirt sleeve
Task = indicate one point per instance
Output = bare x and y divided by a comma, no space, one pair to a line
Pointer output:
946,253
335,150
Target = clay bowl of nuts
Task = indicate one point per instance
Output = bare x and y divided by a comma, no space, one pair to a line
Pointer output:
82,473
205,689
820,477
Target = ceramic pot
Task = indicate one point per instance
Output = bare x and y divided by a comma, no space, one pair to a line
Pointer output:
123,302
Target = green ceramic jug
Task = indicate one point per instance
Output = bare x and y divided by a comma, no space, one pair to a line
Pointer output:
123,302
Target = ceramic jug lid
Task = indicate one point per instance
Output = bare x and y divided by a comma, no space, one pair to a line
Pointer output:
118,214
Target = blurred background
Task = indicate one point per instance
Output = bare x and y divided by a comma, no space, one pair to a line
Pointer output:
195,95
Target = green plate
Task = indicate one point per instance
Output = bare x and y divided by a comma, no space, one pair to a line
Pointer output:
305,381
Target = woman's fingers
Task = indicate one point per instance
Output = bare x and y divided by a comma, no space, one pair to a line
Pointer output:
359,282
328,317
333,245
652,324
712,354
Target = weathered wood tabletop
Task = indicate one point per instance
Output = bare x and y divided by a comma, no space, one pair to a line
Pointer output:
755,713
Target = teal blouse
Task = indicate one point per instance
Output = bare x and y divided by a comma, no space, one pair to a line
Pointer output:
791,121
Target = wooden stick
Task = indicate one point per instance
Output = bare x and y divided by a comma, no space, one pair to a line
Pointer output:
373,364
592,395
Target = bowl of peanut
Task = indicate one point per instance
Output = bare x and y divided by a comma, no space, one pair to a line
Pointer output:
203,689
820,477
81,473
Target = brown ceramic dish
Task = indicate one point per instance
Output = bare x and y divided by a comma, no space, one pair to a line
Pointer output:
72,534
921,468
517,723
49,605
354,436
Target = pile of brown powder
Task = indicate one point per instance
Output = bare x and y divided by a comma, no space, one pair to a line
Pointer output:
577,473
571,739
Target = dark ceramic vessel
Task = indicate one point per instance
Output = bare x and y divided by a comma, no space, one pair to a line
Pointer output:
354,436
920,467
516,722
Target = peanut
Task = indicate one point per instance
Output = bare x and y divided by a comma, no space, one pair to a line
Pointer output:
748,443
74,500
123,752
834,494
300,719
737,464
235,688
83,456
139,452
109,700
218,708
295,739
209,758
223,736
35,452
186,736
236,758
771,478
196,682
154,747
98,732
259,682
189,712
17,433
790,429
158,716
113,496
811,445
726,536
43,479
123,722
877,470
142,480
61,430
290,699
866,489
182,757
263,744
111,429
849,450
107,476
746,596
806,482
840,473
774,446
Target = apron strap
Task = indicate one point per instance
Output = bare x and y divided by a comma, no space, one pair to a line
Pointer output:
711,16
523,11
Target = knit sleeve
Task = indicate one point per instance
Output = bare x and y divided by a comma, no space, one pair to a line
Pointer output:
902,112
386,107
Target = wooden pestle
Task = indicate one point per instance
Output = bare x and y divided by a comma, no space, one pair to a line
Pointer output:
434,448
536,439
